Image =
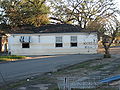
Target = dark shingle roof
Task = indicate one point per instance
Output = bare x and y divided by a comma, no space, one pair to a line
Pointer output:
49,28
58,28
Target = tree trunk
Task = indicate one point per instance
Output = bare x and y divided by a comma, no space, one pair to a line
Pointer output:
107,54
0,44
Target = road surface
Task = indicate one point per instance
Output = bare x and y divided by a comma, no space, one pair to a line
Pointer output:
23,69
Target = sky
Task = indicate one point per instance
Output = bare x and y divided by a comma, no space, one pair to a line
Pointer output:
118,3
118,6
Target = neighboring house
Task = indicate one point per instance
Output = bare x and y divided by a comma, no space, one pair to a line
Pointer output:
3,42
53,39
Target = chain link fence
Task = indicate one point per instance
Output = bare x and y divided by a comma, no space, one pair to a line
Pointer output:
86,83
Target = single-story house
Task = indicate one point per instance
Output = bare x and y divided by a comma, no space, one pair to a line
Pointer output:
53,39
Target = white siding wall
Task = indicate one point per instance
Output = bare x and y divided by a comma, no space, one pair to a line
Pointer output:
44,44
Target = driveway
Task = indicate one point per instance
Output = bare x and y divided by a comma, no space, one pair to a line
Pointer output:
23,69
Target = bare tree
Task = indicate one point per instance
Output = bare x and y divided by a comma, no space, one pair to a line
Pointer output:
111,28
82,11
60,11
107,29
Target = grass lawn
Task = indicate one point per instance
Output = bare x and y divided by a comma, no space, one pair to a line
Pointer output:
11,58
33,81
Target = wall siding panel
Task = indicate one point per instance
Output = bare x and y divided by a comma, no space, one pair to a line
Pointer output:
44,44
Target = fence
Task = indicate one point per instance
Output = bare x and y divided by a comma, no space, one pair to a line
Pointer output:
69,83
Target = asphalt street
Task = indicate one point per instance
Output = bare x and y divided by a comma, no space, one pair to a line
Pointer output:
26,68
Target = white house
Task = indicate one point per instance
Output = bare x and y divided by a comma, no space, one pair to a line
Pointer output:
50,42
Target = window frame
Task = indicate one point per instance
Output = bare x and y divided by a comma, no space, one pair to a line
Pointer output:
58,41
73,40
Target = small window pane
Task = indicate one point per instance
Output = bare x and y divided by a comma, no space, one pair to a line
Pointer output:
73,38
58,39
73,44
59,45
25,45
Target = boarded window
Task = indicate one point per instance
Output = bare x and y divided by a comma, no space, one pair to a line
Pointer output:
25,39
58,42
73,42
25,45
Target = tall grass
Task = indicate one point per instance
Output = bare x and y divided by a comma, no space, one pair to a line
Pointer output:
11,57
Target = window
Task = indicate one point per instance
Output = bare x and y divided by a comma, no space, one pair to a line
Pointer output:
73,42
25,45
25,39
59,42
